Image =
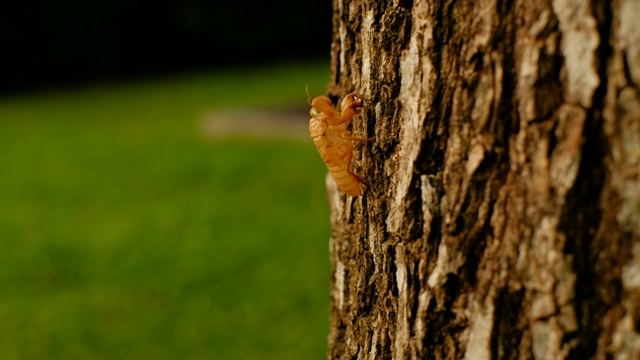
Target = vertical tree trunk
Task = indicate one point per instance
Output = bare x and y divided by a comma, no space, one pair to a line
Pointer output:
503,216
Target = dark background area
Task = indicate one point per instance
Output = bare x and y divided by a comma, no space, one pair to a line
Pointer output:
47,43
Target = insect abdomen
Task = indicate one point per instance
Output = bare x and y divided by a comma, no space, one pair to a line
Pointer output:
347,182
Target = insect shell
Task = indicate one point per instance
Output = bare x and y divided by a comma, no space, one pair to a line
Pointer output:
328,129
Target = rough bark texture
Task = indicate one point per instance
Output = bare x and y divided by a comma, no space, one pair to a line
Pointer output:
503,216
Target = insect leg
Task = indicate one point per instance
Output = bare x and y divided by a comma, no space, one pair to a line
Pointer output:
348,158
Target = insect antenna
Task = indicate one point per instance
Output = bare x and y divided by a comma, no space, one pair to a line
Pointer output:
308,95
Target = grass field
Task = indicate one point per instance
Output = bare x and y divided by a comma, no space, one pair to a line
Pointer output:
126,234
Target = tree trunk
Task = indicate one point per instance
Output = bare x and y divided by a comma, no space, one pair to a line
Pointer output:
502,220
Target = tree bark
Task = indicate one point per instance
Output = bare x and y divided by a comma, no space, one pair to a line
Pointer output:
502,219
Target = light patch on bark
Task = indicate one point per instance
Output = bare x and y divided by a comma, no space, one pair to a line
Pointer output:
367,53
342,34
527,78
413,110
631,271
565,296
484,23
478,345
430,203
419,328
340,283
543,305
630,35
547,340
475,156
629,128
335,204
539,24
625,340
402,330
375,339
628,154
565,160
580,39
438,274
545,254
487,94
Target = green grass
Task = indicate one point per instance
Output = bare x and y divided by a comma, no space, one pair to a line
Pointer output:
125,234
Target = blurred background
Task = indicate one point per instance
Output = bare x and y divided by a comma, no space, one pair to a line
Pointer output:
159,195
